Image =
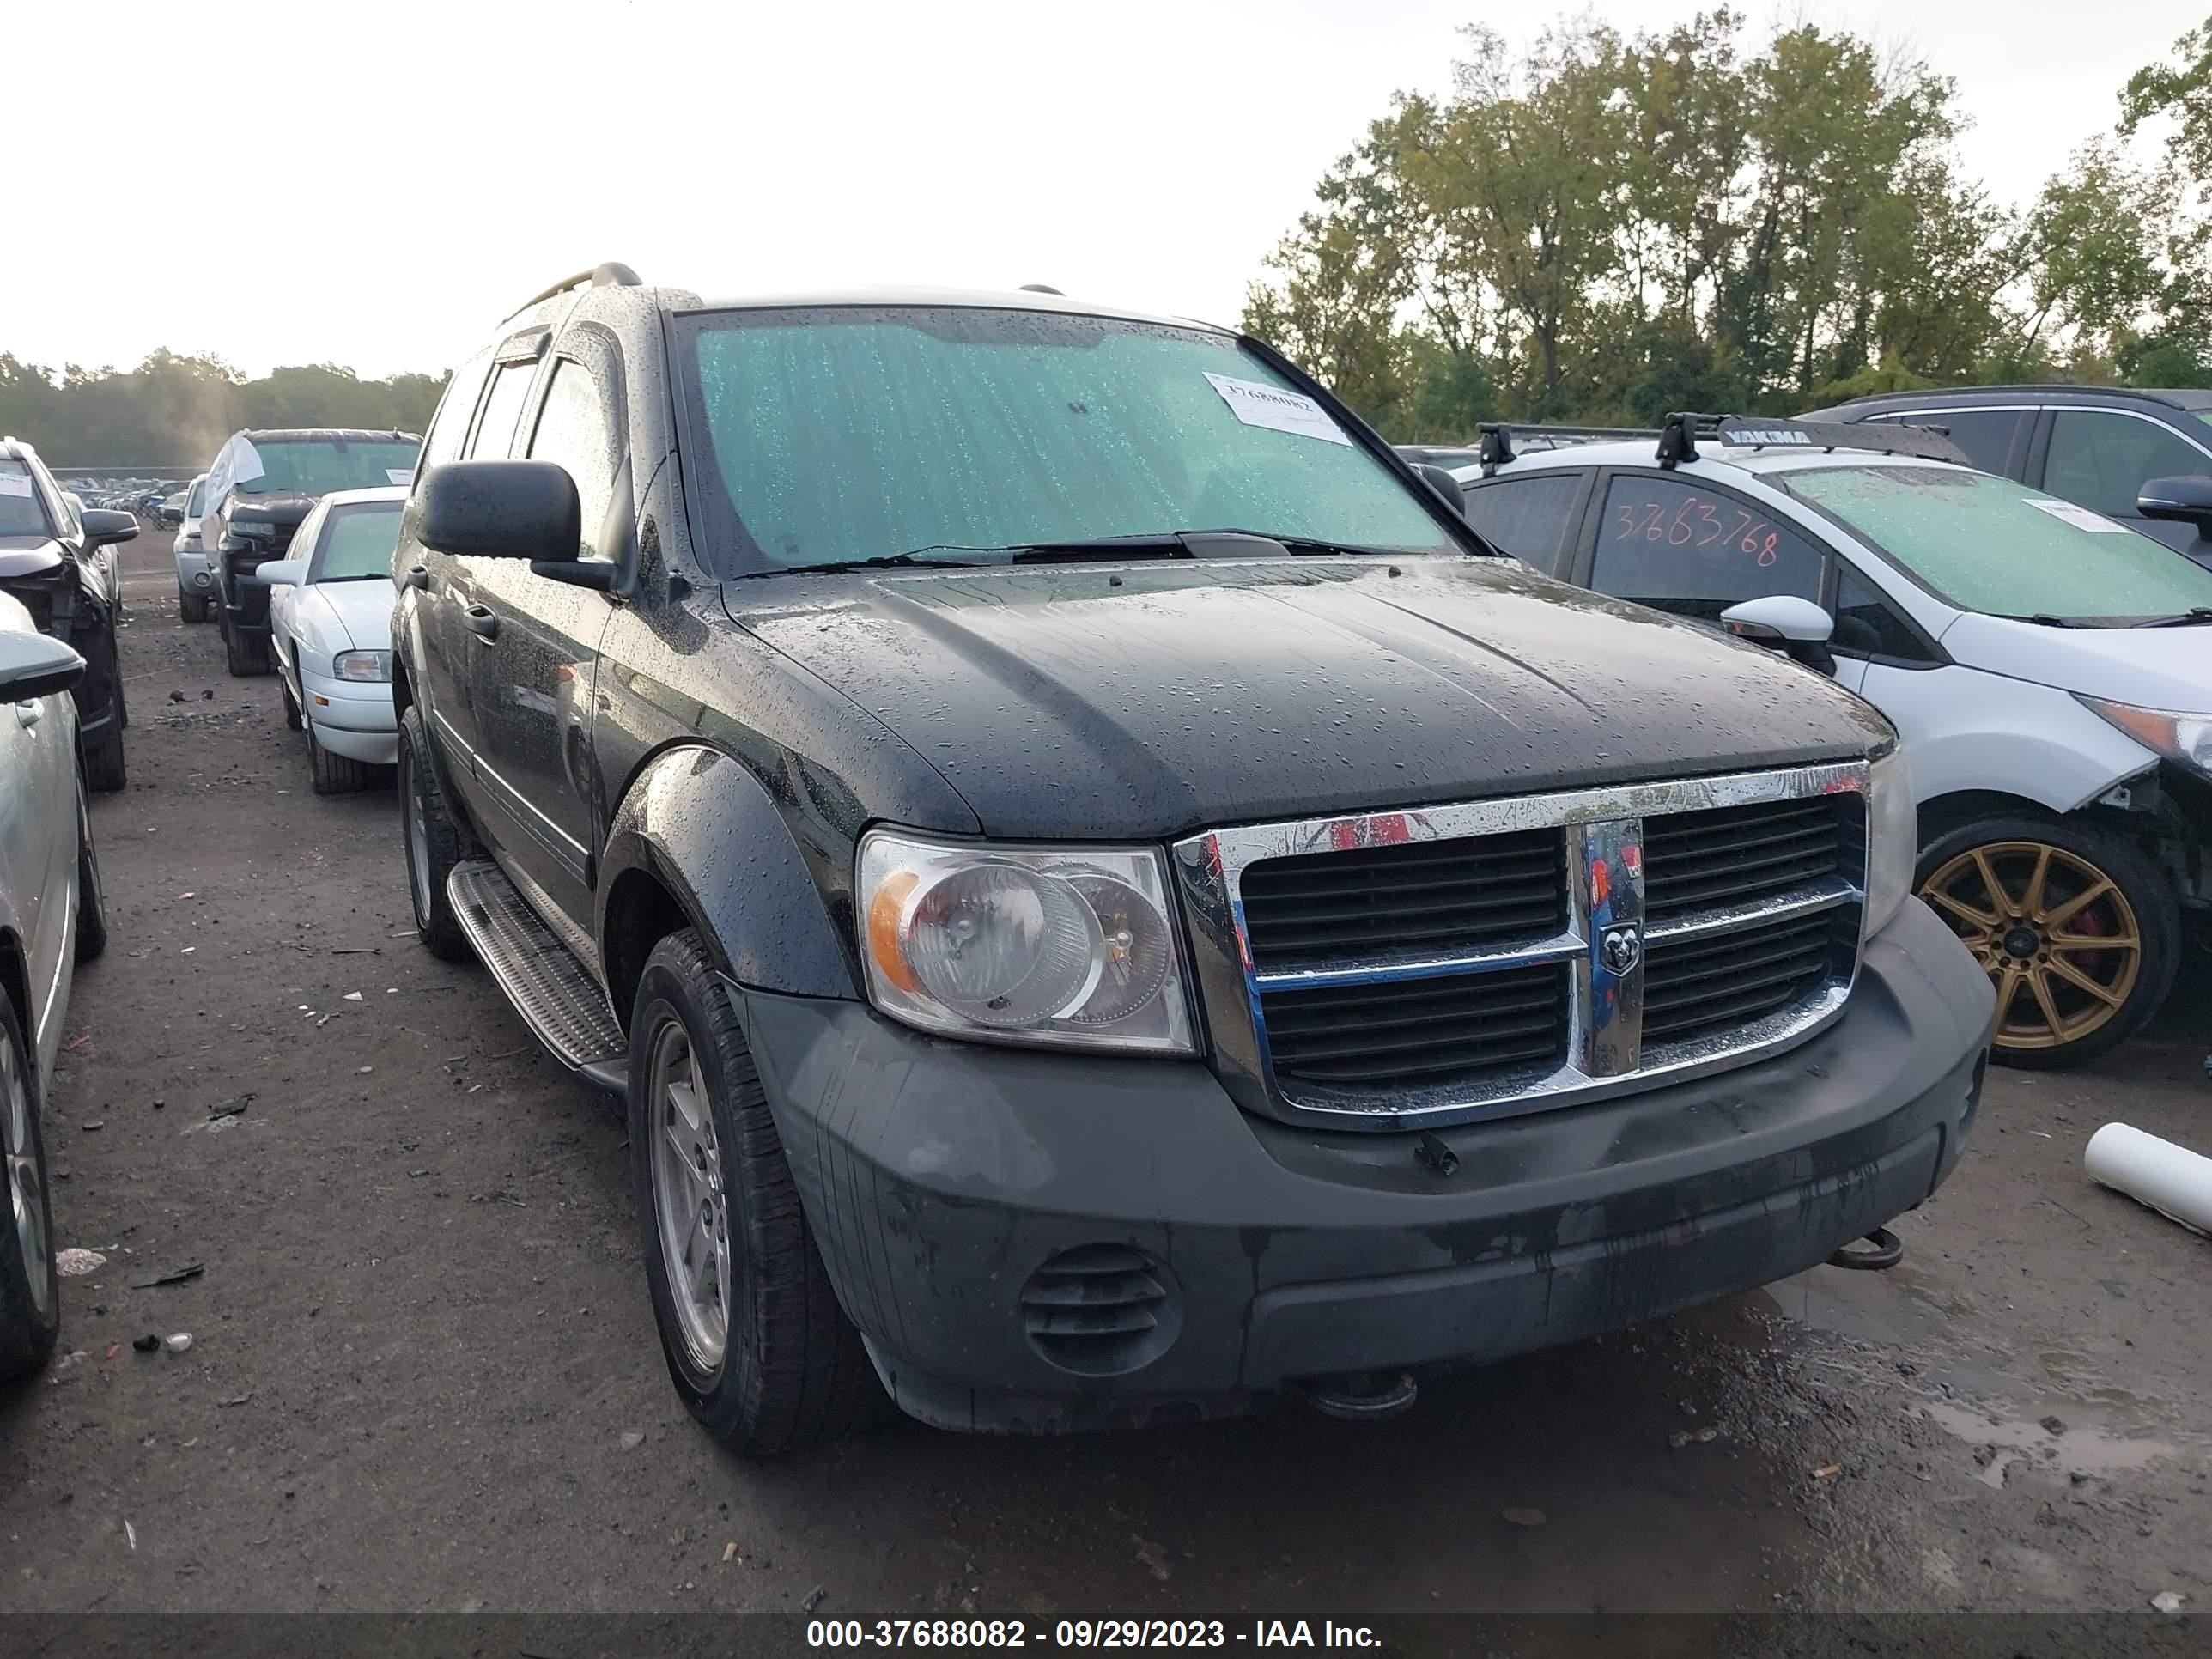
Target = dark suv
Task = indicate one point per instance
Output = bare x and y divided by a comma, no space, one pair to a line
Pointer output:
2094,446
260,488
51,559
1105,898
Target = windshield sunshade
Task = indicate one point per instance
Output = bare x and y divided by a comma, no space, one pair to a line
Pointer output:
841,435
1991,545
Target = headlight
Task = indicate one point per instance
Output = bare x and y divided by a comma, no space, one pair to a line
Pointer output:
362,665
2184,737
1052,946
1893,841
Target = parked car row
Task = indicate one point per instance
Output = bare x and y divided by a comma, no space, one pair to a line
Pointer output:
2044,665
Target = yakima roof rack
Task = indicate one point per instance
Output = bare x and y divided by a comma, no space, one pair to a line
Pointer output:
1679,435
612,274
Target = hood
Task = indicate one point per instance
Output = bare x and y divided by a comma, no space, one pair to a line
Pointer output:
2166,668
28,556
285,510
351,616
1142,701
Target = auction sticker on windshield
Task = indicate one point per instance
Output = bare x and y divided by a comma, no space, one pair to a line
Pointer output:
14,484
2080,517
1257,404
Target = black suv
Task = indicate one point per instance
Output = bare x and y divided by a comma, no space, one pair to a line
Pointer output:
2096,446
1105,898
260,488
51,559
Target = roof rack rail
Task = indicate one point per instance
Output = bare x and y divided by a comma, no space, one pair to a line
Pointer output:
1678,435
612,274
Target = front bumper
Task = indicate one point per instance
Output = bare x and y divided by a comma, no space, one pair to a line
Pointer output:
938,1177
352,718
192,573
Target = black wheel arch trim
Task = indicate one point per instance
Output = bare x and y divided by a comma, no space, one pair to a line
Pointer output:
706,829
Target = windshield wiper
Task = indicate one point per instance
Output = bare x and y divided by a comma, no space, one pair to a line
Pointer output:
2044,619
1190,544
881,562
2197,615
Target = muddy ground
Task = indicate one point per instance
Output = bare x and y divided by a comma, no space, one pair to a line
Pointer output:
422,1354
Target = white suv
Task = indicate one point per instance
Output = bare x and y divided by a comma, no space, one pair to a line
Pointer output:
2047,668
194,586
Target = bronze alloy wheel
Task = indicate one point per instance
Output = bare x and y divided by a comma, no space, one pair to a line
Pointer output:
2055,933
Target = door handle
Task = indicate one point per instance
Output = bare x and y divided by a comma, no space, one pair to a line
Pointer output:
480,621
418,575
30,712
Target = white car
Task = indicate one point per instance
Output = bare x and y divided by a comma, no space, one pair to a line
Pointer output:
330,616
194,586
2048,670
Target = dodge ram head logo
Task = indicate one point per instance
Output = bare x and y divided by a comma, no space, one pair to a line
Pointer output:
1621,948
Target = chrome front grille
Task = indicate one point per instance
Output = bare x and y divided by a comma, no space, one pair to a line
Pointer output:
1499,957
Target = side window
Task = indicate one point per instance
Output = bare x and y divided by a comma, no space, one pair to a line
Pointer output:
494,435
2101,459
1695,551
1527,517
450,425
571,430
1985,434
1867,625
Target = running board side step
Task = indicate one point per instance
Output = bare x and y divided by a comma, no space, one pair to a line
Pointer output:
559,1001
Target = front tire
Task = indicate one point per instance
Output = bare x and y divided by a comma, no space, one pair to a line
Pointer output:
30,1286
756,1343
2077,930
333,775
104,771
192,607
91,890
246,656
433,840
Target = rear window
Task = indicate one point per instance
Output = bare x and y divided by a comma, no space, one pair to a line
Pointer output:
314,466
22,512
357,542
1526,517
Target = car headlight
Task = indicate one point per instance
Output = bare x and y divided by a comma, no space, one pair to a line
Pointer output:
1893,840
2184,737
361,665
1063,947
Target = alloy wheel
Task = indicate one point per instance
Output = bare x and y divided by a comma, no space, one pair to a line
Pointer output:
690,1209
25,1178
2054,933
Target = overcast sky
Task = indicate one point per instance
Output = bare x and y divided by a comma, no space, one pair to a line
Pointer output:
376,184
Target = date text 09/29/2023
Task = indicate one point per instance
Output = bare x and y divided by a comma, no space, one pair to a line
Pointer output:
998,1633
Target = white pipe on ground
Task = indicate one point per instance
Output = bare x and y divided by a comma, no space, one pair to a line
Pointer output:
2173,1180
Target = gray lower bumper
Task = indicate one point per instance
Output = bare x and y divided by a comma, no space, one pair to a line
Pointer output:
939,1177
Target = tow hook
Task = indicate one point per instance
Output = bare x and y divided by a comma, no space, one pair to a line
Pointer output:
1887,1252
1361,1397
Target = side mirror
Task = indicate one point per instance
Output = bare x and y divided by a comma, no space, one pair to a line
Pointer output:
1797,628
102,526
499,510
34,665
282,573
2183,501
1441,480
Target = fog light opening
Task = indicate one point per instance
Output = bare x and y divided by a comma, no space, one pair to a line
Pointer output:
1361,1397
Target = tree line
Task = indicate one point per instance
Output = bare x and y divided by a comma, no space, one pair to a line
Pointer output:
1607,226
175,411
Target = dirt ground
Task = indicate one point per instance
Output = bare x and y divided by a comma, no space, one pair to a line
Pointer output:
423,1355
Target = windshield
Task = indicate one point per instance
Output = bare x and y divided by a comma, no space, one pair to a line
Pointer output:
197,501
1988,544
357,542
851,434
22,513
304,467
